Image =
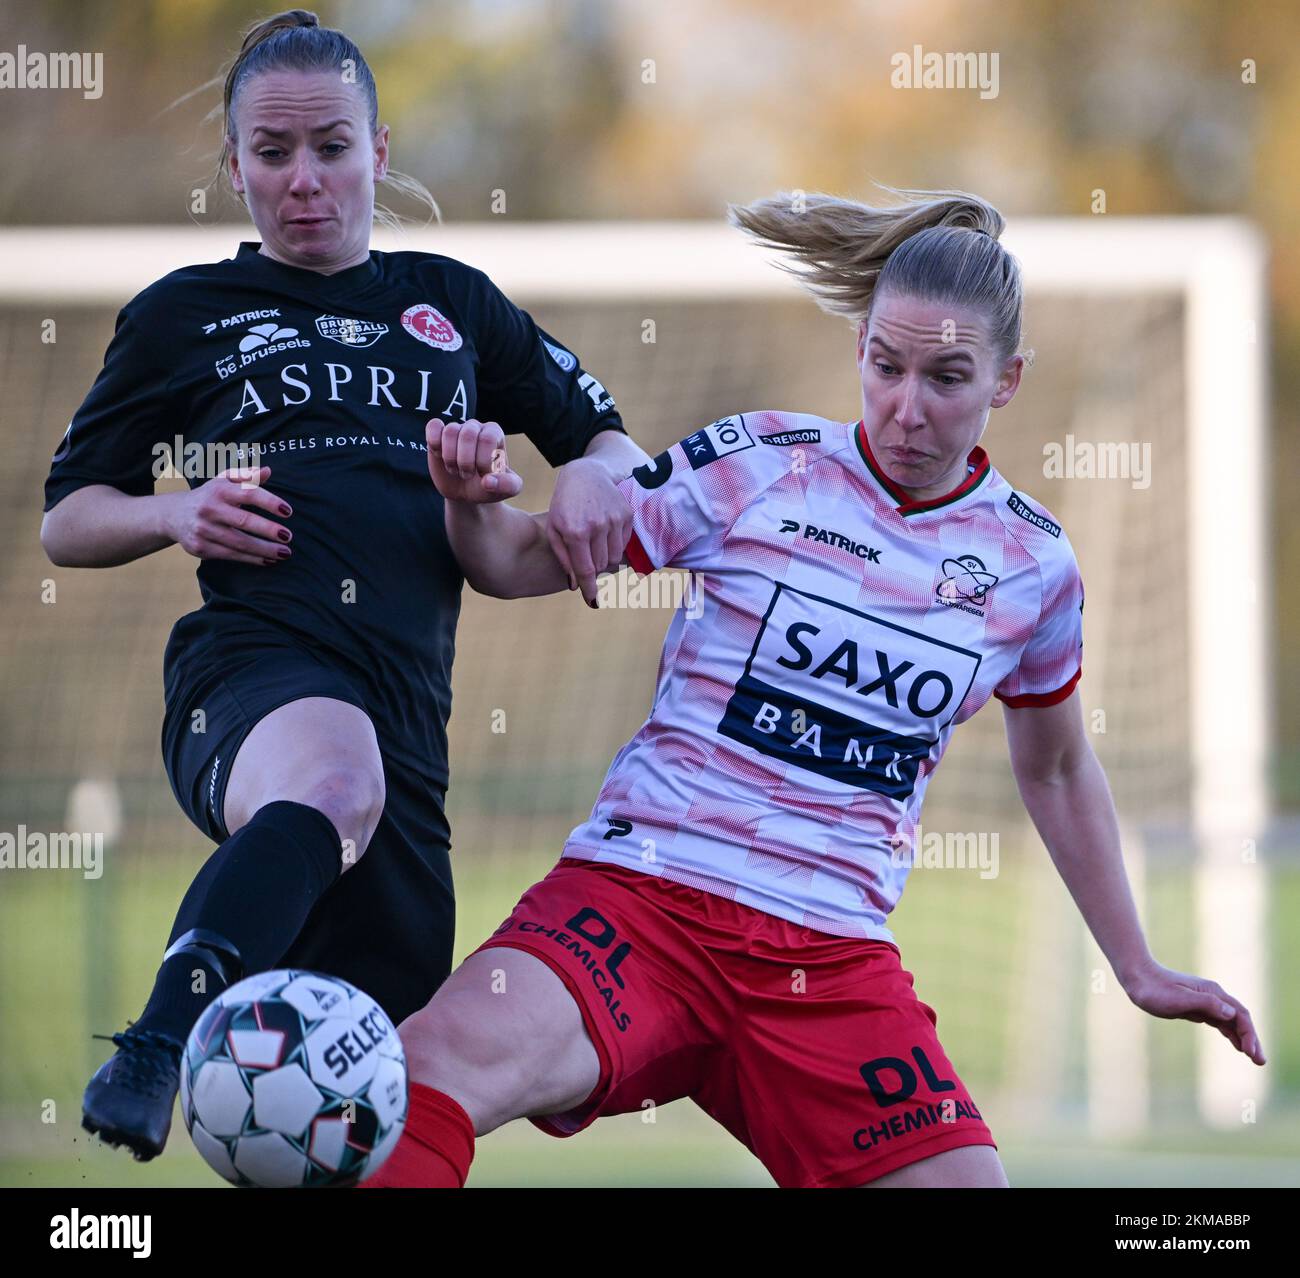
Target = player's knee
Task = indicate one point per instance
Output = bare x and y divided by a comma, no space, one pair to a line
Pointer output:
353,799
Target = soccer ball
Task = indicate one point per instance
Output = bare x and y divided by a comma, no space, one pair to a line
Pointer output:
294,1079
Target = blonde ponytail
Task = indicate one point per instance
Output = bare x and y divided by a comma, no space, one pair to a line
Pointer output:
940,245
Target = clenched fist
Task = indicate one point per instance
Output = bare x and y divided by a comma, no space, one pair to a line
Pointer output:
468,462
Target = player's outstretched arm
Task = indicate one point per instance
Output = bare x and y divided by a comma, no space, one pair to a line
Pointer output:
1066,793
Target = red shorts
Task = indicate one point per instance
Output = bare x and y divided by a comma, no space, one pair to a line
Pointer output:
811,1049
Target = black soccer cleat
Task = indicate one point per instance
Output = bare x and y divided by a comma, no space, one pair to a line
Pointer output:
129,1100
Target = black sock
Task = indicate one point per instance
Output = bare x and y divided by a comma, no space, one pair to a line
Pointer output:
243,910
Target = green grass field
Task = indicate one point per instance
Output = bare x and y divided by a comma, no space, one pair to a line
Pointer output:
76,958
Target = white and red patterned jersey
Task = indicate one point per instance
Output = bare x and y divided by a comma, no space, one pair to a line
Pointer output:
842,631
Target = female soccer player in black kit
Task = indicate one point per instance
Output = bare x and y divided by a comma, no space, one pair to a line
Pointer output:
307,699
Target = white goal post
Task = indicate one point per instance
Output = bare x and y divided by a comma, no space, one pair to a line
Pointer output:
1216,266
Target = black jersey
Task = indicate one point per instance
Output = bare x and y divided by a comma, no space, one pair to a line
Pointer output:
332,378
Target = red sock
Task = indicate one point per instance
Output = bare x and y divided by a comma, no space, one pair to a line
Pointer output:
436,1148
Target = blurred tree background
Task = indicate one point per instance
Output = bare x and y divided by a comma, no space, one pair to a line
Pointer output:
578,109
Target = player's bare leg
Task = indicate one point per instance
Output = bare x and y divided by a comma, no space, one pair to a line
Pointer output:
967,1167
504,1038
317,751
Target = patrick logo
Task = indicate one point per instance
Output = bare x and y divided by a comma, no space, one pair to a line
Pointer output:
430,325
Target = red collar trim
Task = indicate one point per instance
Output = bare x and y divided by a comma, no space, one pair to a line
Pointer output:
976,458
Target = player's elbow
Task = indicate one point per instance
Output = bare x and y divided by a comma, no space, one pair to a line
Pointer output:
54,541
518,584
493,590
492,585
1053,765
1047,744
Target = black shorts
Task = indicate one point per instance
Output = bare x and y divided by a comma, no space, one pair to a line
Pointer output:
388,923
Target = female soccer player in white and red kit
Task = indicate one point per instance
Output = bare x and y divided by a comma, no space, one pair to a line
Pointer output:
867,586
